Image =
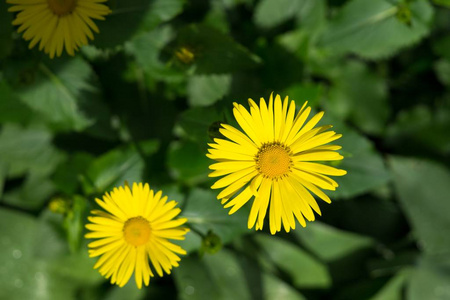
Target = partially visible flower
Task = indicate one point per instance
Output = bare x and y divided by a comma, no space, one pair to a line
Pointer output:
133,231
58,24
274,160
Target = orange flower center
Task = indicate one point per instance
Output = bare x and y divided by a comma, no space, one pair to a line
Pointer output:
273,160
136,231
62,7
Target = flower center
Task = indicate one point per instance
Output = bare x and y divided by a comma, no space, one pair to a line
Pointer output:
273,160
62,7
136,231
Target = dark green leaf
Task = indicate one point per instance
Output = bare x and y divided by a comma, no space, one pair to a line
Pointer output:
270,13
305,270
365,103
58,91
188,162
218,276
214,52
370,28
11,108
204,90
430,279
205,213
330,243
422,188
114,167
365,167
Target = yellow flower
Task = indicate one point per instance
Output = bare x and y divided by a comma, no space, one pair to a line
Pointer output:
274,160
56,24
135,229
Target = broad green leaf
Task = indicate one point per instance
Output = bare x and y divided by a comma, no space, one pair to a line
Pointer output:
422,188
115,167
27,150
270,13
430,279
305,270
188,162
421,130
274,288
195,123
365,103
371,29
393,290
218,276
112,30
441,47
365,167
6,42
146,49
129,292
67,175
32,194
204,90
330,243
305,92
445,3
442,69
205,213
11,108
74,222
161,11
213,51
58,91
23,276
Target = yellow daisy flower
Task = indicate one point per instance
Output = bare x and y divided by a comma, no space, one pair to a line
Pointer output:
133,229
58,24
274,160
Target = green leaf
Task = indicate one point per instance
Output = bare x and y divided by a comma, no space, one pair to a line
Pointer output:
114,167
365,103
188,162
370,28
421,130
74,222
445,3
146,49
32,194
129,292
274,288
305,270
27,150
11,108
218,276
305,92
214,52
330,243
442,69
441,47
161,11
204,90
6,29
67,176
195,123
393,290
422,188
430,279
365,167
112,30
270,13
23,276
58,91
205,213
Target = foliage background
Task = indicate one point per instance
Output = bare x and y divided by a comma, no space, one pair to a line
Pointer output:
136,106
